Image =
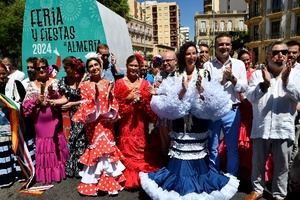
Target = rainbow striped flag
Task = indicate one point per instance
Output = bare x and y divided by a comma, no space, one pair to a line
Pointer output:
19,147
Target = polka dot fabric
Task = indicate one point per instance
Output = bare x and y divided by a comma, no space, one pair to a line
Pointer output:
102,159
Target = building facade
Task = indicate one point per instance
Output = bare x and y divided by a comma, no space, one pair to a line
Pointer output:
269,21
184,35
141,31
219,16
164,16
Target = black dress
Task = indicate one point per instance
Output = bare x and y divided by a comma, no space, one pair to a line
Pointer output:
77,141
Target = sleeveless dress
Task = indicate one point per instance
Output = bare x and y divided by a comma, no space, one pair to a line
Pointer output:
140,149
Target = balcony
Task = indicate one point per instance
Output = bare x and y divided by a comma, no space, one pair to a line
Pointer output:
275,9
202,33
295,33
172,8
255,37
274,35
173,33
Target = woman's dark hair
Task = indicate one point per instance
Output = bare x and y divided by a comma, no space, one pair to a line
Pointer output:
90,59
242,52
130,59
181,55
4,67
75,63
101,46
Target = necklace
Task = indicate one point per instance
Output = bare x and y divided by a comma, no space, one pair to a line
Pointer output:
130,84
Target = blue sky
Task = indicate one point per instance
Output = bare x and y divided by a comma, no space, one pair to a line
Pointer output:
188,8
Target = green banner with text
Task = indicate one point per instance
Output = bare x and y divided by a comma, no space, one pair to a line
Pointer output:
54,29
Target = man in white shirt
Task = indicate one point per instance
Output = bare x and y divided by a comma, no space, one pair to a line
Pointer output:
31,65
231,73
274,92
13,72
293,55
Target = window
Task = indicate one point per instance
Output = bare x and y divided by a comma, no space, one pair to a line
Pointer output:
255,32
276,5
241,25
229,25
203,26
222,26
255,11
228,5
216,25
275,29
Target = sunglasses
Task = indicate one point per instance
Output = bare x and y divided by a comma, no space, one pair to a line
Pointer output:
105,55
283,52
41,68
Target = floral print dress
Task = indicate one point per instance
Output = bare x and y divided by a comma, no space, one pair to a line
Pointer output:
77,141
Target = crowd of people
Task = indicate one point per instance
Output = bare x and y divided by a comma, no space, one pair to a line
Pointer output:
181,126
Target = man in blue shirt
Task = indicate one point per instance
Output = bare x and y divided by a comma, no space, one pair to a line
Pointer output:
110,70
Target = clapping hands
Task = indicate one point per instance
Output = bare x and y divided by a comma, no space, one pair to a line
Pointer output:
286,72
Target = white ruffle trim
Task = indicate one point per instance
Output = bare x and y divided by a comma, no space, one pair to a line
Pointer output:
167,104
91,174
197,146
216,103
189,136
187,155
157,193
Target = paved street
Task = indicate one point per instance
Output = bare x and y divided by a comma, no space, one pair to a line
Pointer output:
66,190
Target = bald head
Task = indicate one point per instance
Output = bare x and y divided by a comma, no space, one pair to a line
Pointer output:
169,60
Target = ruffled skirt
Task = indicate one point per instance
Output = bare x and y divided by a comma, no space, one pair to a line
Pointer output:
103,170
188,179
51,156
10,170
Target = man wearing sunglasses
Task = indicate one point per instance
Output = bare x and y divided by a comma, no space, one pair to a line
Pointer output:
110,70
274,92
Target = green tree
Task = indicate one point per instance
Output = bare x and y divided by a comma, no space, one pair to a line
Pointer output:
121,7
239,38
11,23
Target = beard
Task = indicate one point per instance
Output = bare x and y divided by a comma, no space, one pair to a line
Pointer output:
279,64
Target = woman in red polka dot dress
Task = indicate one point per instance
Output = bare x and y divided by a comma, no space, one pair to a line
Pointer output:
103,169
141,150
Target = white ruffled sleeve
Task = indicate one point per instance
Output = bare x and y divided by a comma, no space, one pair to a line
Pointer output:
214,104
166,103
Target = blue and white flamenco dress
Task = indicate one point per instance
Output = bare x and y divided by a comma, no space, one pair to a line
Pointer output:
188,174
